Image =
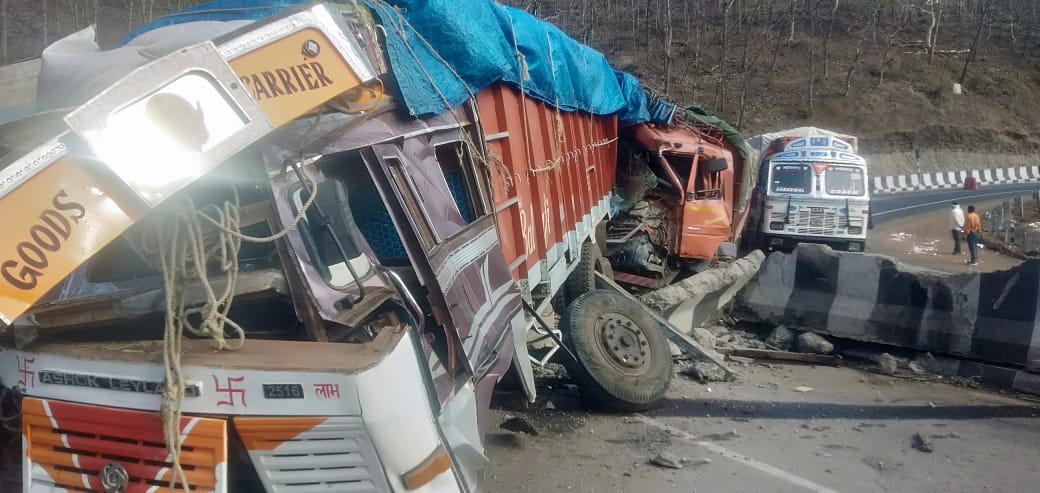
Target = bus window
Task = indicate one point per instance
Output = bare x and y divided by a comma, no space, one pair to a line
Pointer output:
844,180
791,178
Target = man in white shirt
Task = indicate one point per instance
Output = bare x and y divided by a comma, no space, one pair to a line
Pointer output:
956,225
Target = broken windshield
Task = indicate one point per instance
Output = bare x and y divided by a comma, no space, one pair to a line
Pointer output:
791,178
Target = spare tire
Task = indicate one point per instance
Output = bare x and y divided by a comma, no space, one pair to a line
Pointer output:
624,363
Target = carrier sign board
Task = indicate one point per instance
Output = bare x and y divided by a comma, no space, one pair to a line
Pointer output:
294,75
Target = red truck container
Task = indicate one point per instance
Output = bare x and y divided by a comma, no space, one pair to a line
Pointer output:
552,173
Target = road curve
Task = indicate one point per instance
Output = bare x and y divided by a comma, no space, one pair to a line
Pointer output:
886,207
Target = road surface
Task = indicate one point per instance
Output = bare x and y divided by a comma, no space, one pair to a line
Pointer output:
842,430
888,207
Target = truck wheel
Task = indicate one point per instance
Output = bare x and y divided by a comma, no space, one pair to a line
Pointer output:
583,277
624,363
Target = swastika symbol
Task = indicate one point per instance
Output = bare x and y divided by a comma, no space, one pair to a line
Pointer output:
230,391
28,376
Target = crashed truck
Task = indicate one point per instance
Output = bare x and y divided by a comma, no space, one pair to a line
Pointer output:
684,186
813,189
343,200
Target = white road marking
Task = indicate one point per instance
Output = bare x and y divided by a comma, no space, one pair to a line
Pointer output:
1012,192
738,457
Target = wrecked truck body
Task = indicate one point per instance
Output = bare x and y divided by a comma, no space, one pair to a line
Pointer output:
404,263
683,184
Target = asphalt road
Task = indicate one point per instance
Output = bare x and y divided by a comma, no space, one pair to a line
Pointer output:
887,207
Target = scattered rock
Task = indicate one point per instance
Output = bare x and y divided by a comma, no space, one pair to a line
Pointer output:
667,460
550,405
704,337
809,342
887,364
705,372
916,368
725,339
720,437
923,443
803,389
519,425
675,351
939,365
699,462
781,338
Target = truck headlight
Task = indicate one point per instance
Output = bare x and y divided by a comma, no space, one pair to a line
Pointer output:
776,225
855,230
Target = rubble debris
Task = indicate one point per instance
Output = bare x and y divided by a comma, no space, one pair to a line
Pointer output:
916,368
818,359
698,462
667,460
923,443
720,437
809,342
704,337
519,425
887,364
803,389
704,372
781,337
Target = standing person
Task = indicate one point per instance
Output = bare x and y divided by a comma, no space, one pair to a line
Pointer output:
956,225
972,229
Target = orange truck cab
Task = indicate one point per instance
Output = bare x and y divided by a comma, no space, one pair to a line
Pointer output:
681,187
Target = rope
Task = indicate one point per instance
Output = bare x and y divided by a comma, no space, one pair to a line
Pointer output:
179,238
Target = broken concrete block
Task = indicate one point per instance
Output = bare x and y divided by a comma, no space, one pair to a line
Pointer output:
667,460
705,372
937,365
695,300
888,364
704,337
781,337
809,342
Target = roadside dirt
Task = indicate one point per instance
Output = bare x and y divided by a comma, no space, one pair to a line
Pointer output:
852,432
924,240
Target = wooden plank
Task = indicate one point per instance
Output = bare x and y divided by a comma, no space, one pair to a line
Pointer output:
817,359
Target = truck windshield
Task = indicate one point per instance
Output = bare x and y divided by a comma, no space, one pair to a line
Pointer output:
844,180
791,178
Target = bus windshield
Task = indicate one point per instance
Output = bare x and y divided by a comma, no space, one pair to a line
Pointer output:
844,180
791,178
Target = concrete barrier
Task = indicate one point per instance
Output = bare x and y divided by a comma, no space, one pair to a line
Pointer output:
989,317
953,179
695,300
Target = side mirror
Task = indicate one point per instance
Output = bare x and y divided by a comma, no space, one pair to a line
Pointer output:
718,164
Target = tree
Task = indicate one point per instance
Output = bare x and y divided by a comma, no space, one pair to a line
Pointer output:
981,20
720,92
3,31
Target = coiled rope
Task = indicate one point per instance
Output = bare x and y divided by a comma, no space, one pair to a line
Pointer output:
178,237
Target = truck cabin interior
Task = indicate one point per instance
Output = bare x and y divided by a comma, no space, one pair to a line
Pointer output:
348,236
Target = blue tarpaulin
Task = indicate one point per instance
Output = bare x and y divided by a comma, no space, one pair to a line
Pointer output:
441,51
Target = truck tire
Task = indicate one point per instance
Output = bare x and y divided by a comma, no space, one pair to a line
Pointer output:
583,278
624,363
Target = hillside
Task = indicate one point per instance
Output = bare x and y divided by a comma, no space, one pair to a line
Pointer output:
900,107
872,74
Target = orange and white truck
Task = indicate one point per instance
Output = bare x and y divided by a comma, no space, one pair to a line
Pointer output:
386,268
